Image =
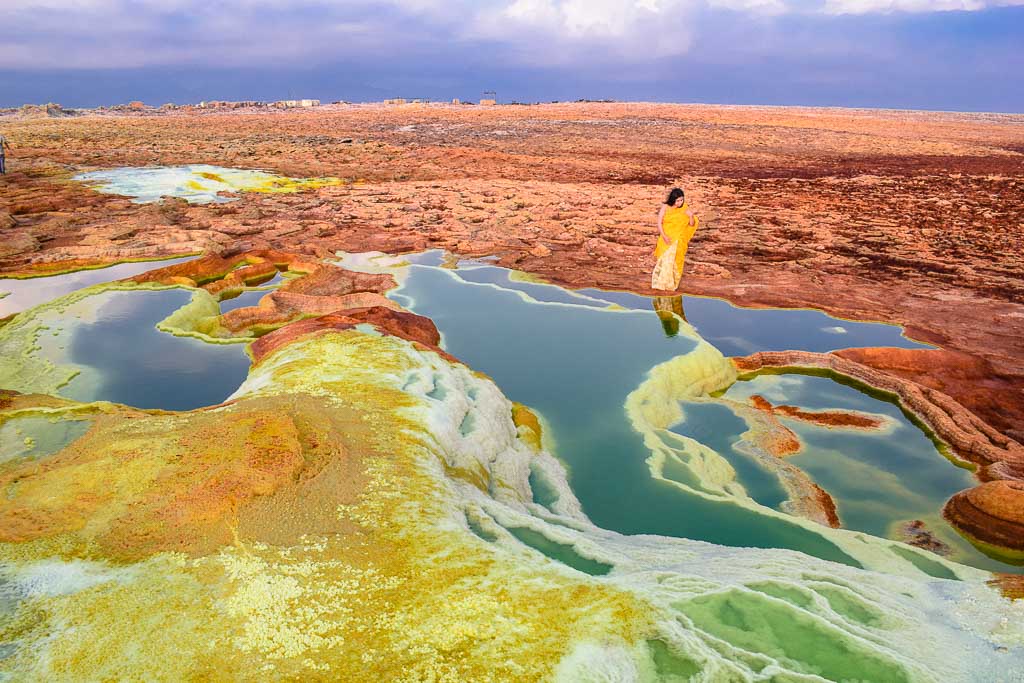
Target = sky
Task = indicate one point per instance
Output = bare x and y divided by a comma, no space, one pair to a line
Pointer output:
961,55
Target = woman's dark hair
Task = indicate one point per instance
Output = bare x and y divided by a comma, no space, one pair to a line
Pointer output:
675,194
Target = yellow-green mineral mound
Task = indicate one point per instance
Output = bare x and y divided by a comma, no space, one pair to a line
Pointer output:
196,184
364,508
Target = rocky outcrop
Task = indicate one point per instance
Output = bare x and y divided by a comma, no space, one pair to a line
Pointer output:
330,280
399,323
845,419
1010,585
916,533
769,434
244,276
278,308
992,513
773,437
216,272
386,319
315,288
16,242
969,379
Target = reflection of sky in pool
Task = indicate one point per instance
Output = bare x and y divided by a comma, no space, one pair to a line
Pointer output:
24,294
125,359
733,330
576,365
717,427
739,331
249,297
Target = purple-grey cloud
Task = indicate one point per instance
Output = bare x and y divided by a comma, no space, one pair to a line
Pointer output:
47,34
940,53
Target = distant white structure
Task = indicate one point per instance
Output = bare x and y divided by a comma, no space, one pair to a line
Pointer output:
218,104
402,100
289,104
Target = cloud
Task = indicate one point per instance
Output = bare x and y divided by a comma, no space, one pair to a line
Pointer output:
762,6
562,31
80,34
888,6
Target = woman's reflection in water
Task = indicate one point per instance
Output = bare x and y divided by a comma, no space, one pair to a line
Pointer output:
667,308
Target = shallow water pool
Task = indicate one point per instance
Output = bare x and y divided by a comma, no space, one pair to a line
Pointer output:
575,356
249,297
110,347
17,295
36,436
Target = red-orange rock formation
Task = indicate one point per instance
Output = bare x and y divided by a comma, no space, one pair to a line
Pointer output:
404,324
1010,585
804,498
825,418
322,288
971,381
277,308
992,512
245,276
330,280
771,435
824,503
769,442
398,323
237,267
830,418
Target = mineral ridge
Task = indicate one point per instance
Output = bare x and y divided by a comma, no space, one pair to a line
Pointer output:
336,519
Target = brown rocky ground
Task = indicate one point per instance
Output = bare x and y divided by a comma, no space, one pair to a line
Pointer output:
915,218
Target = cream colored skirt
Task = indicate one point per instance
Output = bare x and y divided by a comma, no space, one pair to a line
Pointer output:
665,276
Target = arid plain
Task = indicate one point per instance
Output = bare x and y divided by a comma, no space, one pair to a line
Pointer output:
908,217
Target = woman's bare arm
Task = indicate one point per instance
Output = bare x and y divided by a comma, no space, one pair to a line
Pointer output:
661,230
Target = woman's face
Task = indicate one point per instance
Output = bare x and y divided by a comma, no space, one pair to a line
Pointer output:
678,203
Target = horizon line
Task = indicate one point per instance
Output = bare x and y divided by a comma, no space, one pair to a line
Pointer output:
125,106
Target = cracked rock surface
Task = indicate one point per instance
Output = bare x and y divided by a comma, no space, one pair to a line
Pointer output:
910,217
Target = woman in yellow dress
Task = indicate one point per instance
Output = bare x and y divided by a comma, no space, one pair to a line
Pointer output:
676,225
